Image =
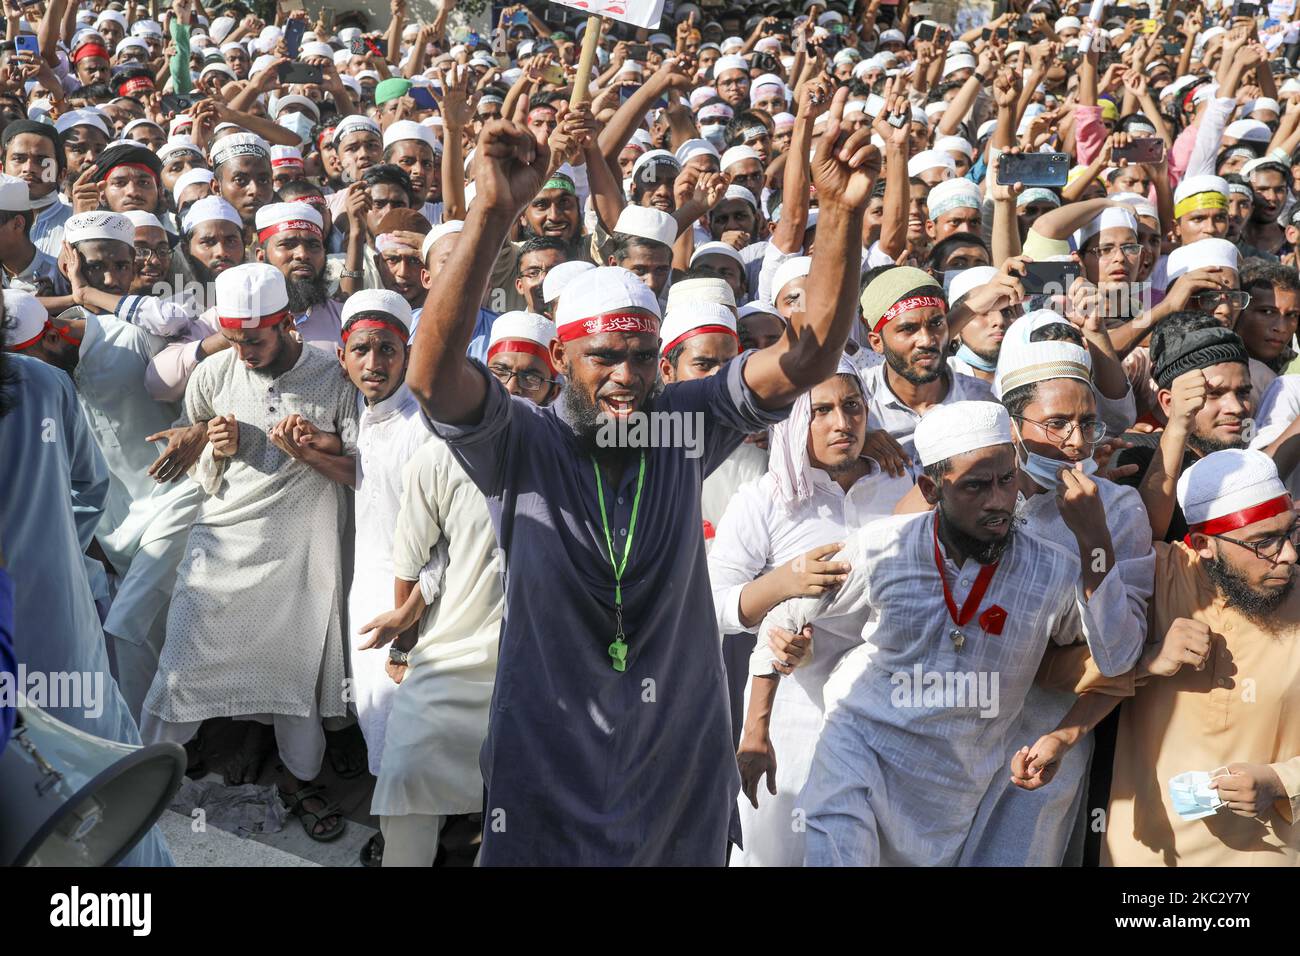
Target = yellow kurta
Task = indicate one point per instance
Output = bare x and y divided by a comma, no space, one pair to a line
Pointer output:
1244,707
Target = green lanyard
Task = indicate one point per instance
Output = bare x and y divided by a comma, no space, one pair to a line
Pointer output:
618,650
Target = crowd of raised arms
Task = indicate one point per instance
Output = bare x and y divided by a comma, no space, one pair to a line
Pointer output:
765,435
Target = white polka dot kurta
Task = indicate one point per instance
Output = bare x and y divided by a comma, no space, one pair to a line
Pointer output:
254,625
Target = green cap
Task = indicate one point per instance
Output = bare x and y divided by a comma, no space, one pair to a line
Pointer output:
391,89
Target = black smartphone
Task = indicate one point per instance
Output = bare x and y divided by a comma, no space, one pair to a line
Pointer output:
926,31
1171,48
553,15
1049,278
1147,149
898,120
1250,10
1070,55
293,31
299,73
1034,169
177,102
1124,13
1003,33
638,51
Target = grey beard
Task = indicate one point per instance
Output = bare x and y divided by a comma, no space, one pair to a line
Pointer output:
306,293
1258,606
984,552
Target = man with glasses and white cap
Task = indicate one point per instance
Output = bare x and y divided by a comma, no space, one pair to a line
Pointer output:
618,638
263,557
1225,611
898,774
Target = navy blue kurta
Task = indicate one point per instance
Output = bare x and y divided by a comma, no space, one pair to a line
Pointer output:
585,765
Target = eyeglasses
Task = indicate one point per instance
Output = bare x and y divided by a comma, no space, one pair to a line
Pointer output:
533,272
144,253
1209,301
529,381
1129,250
1269,549
1059,430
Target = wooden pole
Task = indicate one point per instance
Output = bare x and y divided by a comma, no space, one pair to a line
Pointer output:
590,40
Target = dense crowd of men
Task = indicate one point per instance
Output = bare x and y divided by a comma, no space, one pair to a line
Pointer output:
822,434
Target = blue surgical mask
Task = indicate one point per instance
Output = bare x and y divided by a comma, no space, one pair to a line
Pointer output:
974,361
1192,797
1043,469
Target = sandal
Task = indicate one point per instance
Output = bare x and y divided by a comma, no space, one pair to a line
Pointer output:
372,854
294,804
346,752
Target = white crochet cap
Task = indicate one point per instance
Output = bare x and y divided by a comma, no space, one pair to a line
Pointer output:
700,291
249,292
190,178
737,154
969,279
25,319
946,431
930,159
1108,219
437,232
143,220
408,129
717,249
210,209
599,291
1024,363
560,276
647,223
383,301
99,225
1203,254
1194,185
526,326
697,318
791,269
1226,482
1248,130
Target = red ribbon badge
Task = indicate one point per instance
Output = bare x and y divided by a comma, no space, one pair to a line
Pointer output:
993,619
982,580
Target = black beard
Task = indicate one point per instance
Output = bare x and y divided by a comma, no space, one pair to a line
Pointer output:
586,418
1205,446
1258,606
989,356
984,552
901,367
306,293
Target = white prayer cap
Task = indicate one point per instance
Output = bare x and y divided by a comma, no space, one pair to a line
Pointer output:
692,148
1023,363
1260,103
954,144
286,156
952,194
892,36
1068,23
221,28
783,121
113,16
1203,254
146,28
227,47
217,68
316,49
1195,185
1249,169
740,192
865,67
179,122
959,61
969,279
701,95
791,269
647,223
267,39
756,307
190,178
447,228
376,302
946,431
408,129
99,225
251,296
560,276
697,318
294,99
730,62
210,209
348,34
1217,492
239,144
959,46
737,154
82,117
596,301
1207,91
14,194
930,159
129,43
717,249
1111,218
629,67
287,216
143,220
518,326
767,79
136,124
25,320
1290,86
1248,130
716,113
1140,204
354,123
696,291
986,129
1179,85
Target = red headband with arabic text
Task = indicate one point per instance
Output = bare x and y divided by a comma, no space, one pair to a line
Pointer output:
609,322
907,305
289,225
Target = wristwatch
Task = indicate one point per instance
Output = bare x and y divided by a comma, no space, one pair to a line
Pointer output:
353,273
398,657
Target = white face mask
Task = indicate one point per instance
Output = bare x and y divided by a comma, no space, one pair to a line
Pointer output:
715,133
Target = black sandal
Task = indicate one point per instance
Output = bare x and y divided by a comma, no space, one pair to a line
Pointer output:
372,854
294,804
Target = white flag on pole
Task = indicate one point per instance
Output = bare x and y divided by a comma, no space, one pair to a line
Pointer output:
641,13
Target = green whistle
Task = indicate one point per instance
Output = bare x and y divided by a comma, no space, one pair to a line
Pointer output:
618,654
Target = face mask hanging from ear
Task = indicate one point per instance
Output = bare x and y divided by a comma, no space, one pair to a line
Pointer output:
1043,469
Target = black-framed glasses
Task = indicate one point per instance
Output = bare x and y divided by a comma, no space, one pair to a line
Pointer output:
1269,549
529,380
1211,300
161,253
1060,430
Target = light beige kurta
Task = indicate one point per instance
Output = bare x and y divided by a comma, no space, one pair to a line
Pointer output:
1244,707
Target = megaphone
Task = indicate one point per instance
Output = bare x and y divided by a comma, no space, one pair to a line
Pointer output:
69,798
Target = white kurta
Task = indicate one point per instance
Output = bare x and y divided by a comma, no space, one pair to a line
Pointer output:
439,717
388,436
254,625
756,535
747,463
899,770
1276,411
1016,827
145,523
